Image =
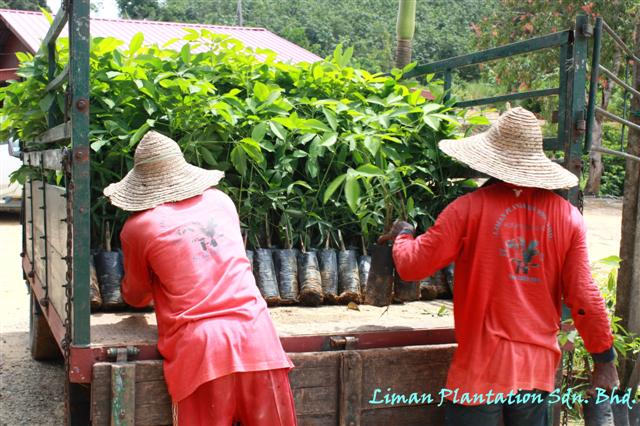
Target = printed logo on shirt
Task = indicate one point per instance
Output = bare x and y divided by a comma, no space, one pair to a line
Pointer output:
203,235
525,257
521,243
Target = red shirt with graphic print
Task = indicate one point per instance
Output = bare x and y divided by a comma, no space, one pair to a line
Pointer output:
518,253
212,321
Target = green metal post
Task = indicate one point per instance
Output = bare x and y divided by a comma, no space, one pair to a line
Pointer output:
577,124
593,85
79,81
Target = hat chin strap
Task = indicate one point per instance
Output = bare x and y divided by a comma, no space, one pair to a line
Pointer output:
158,158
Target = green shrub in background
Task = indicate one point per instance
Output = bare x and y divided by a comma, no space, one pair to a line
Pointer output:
311,148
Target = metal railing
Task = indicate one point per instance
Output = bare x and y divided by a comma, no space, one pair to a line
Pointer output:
572,46
597,68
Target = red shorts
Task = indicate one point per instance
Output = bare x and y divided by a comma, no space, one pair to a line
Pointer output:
254,398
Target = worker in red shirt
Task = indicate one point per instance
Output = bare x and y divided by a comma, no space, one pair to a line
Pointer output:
183,250
519,251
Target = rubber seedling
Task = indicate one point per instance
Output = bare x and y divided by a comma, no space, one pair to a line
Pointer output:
309,278
348,275
110,271
328,260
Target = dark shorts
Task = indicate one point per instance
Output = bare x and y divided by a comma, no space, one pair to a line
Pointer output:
526,414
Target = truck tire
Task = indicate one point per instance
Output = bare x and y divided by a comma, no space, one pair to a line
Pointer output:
41,341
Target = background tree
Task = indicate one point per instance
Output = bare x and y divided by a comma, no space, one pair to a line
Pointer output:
24,4
443,28
517,20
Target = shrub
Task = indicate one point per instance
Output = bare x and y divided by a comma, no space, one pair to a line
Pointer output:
310,147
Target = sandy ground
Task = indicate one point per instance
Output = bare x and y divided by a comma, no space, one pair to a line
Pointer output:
31,393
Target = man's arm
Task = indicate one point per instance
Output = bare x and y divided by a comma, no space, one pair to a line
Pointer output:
588,310
136,284
418,258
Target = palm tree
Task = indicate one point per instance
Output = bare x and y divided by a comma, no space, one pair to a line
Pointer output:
405,29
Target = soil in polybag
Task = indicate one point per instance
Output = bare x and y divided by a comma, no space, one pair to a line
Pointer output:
94,289
348,277
449,273
379,288
309,279
265,273
405,291
328,262
286,264
364,265
110,270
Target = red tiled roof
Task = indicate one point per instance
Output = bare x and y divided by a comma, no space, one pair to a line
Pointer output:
32,27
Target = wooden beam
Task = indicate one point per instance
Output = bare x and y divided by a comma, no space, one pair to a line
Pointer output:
59,79
60,133
57,25
509,97
123,394
50,159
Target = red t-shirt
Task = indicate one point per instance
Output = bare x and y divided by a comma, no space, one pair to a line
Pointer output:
189,257
518,252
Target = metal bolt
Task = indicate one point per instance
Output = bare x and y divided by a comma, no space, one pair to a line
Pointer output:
82,105
31,274
44,302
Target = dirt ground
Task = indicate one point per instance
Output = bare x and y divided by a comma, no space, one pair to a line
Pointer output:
31,393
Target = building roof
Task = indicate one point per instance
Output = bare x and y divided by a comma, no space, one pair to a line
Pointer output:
32,27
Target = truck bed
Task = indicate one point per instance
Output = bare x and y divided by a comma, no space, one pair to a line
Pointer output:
140,328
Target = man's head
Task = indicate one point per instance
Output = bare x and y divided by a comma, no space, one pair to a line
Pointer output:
160,175
511,150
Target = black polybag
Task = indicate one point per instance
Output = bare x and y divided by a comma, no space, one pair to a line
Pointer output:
309,279
265,274
287,273
328,261
348,277
110,270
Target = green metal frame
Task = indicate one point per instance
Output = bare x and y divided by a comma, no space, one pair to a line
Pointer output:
573,52
72,125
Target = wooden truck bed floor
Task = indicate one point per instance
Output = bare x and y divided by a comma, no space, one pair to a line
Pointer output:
140,328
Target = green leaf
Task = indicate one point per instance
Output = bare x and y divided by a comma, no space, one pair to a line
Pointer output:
431,121
427,108
258,132
185,53
278,130
612,261
372,144
45,103
138,134
260,91
207,156
239,160
478,120
252,148
331,188
369,170
331,118
352,192
136,43
328,139
316,125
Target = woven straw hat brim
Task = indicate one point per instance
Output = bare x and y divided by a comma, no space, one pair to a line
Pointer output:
146,188
518,168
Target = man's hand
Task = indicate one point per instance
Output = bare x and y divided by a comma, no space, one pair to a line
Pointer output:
398,226
604,376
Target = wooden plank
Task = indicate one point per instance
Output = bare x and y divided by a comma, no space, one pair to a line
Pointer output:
510,97
153,403
405,416
27,220
50,159
57,25
56,213
39,245
59,80
101,394
59,133
149,371
57,269
350,388
316,369
317,420
316,401
123,394
417,369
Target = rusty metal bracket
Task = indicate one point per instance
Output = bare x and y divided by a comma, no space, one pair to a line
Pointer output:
341,343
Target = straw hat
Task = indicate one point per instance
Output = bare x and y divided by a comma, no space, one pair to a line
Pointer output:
160,175
511,150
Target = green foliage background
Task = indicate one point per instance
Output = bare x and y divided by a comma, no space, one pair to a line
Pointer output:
443,28
308,148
